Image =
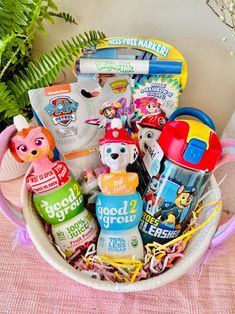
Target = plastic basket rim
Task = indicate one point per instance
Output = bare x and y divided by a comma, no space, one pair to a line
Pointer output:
49,253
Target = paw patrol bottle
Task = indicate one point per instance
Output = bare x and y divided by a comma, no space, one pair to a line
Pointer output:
56,194
119,206
191,150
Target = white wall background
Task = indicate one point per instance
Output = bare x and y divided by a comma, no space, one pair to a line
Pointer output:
188,25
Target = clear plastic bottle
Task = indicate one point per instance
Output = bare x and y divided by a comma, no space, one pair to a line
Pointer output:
191,150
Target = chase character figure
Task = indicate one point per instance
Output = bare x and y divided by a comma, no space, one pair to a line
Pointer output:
183,200
184,196
169,214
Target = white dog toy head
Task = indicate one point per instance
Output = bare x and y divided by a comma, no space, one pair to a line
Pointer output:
117,148
150,127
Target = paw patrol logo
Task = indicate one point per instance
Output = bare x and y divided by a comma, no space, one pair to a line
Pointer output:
62,110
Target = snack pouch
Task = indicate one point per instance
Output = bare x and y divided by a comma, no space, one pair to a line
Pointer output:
63,110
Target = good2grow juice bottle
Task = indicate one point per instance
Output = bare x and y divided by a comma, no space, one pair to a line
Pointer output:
119,206
72,225
56,194
191,150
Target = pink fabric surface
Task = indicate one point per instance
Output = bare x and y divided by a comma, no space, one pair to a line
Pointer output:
29,285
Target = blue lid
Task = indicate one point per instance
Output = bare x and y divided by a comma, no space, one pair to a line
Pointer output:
194,151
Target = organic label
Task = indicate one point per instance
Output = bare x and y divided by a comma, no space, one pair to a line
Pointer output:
73,234
134,241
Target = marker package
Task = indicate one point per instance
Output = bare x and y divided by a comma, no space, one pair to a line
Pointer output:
158,75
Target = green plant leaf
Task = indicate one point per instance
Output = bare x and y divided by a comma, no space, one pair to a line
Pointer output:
4,42
15,15
51,4
20,19
44,70
65,16
8,101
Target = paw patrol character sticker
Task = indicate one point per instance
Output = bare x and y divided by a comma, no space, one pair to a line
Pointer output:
148,105
184,198
115,101
149,129
160,205
172,214
62,110
110,110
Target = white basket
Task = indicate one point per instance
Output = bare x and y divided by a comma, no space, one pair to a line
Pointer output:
12,169
195,250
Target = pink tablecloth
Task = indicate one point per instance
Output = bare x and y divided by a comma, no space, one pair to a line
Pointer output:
29,285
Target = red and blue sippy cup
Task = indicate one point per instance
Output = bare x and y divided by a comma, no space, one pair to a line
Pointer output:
191,151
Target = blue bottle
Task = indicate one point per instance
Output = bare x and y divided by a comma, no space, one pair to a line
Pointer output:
119,206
